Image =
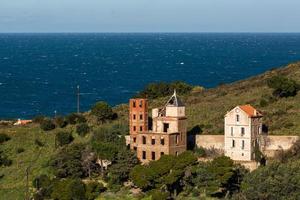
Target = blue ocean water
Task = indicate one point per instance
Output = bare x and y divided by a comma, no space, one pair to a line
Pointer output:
39,72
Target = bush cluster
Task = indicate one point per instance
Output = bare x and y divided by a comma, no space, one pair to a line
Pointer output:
283,87
4,161
63,138
82,129
75,118
66,189
162,89
4,137
102,111
47,125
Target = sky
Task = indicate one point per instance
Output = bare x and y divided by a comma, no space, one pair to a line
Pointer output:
149,15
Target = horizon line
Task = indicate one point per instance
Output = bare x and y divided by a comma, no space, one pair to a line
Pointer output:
152,32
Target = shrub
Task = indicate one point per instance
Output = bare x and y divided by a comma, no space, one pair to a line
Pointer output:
4,137
158,195
68,161
38,119
93,190
67,189
20,150
162,89
47,125
60,122
63,138
4,161
274,181
102,111
263,103
75,118
200,152
283,87
82,129
42,181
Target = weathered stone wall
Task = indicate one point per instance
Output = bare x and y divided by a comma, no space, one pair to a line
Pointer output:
210,141
270,143
273,143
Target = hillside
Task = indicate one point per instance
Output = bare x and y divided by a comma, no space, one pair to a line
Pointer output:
205,108
208,107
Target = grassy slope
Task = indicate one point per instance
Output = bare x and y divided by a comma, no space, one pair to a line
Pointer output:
207,107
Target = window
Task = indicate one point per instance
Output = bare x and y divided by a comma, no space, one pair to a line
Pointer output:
141,117
162,153
133,104
153,155
144,155
134,148
134,117
134,128
134,139
162,141
243,144
242,131
141,104
153,141
237,118
233,143
144,140
166,127
141,128
242,154
176,153
231,131
177,139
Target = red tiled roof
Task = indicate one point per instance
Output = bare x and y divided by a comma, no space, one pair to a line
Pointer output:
252,112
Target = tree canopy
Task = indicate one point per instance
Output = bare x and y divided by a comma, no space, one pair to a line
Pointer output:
162,89
102,111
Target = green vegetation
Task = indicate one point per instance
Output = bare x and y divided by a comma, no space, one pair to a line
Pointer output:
60,122
62,138
274,181
162,89
102,111
283,87
82,129
75,118
47,125
4,137
164,174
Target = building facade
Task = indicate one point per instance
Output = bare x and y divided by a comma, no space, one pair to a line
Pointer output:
166,135
242,126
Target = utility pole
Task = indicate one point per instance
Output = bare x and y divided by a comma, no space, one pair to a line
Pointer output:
78,99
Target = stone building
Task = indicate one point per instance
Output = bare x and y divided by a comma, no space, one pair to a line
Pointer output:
242,126
167,134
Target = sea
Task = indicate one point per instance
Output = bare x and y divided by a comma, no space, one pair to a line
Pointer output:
39,73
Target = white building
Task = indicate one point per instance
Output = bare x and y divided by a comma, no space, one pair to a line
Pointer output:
242,126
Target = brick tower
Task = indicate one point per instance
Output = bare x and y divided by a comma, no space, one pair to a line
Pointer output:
138,119
168,134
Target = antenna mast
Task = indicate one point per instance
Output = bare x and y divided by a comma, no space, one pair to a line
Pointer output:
78,99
